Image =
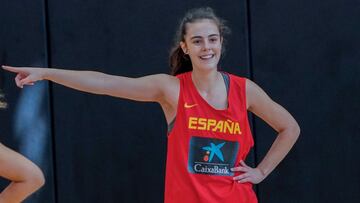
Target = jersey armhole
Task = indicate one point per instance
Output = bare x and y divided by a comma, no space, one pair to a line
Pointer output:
172,124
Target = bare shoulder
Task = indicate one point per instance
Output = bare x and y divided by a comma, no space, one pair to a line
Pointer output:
253,93
259,103
170,86
251,86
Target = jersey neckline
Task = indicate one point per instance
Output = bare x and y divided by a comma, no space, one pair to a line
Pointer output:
198,95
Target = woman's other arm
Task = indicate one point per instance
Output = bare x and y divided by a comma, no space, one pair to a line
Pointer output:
281,121
24,175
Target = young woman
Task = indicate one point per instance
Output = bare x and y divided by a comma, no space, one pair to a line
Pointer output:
24,175
209,135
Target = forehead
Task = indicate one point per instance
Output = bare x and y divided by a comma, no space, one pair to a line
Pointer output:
202,28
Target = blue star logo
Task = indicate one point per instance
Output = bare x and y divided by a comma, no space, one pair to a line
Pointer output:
215,150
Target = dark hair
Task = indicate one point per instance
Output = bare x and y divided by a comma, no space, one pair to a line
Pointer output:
179,61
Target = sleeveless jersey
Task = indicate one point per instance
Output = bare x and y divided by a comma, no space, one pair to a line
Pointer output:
204,144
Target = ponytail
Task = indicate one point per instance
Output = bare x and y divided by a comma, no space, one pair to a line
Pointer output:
179,61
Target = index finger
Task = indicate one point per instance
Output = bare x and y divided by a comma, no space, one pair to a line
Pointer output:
11,69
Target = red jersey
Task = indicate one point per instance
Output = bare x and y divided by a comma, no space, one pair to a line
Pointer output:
204,144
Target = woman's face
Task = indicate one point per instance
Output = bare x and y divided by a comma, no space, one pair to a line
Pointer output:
202,44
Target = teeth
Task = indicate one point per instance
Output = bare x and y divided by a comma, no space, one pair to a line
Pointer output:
207,56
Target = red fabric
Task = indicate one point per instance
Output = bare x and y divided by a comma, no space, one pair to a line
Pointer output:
195,174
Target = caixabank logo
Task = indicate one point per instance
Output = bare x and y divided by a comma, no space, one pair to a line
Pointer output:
212,156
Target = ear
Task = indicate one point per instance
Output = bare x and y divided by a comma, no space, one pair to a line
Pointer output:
183,47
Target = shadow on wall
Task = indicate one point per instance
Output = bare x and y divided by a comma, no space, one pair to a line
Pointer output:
30,124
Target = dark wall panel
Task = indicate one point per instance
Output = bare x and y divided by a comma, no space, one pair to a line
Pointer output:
306,56
25,125
113,150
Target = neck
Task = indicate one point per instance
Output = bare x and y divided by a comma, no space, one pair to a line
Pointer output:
205,80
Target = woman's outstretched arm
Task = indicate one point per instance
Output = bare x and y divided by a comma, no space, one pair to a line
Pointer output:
281,121
24,175
148,88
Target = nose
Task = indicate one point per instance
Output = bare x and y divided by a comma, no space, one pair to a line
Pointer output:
206,45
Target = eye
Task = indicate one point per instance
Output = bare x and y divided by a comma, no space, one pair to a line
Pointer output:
213,39
196,41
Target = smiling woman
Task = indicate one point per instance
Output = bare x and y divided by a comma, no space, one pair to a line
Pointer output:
180,61
24,175
206,110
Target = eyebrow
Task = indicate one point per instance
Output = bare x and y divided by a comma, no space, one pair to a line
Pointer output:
212,35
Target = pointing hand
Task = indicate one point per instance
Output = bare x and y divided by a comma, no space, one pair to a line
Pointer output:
25,75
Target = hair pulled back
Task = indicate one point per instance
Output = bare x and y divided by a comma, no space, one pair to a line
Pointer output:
179,61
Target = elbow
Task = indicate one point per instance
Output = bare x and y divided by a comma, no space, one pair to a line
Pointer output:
36,178
291,130
294,130
39,179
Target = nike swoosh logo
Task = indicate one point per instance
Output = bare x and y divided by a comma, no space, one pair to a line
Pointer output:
188,106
